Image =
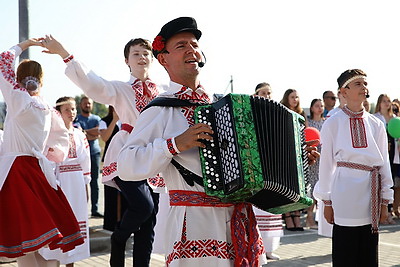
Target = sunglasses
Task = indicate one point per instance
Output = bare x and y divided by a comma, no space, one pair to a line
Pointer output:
331,97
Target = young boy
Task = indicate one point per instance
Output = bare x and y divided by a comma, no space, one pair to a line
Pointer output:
128,99
354,175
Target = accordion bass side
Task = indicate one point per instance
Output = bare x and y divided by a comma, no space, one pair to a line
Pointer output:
257,153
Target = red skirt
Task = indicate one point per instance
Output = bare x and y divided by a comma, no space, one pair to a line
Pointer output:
33,214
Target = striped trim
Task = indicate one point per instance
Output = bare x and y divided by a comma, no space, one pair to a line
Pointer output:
70,168
171,147
110,169
193,198
68,58
27,246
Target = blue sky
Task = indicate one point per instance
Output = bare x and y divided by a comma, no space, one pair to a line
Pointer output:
303,45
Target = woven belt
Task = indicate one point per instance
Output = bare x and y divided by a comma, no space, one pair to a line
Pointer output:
243,224
375,189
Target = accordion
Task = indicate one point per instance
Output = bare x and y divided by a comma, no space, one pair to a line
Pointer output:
257,154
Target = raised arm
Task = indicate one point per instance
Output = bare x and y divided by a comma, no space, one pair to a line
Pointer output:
96,87
54,47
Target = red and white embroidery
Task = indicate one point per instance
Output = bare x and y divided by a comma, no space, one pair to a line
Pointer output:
144,93
70,168
187,94
72,147
171,147
268,223
376,185
110,169
157,181
83,228
6,68
246,241
357,128
185,249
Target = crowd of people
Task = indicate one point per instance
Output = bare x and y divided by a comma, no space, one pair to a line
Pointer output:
51,163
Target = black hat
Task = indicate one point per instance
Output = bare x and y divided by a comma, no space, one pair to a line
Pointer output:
182,24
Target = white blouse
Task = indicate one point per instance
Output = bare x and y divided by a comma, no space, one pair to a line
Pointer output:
31,126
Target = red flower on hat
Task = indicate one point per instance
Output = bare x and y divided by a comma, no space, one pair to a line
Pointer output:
158,43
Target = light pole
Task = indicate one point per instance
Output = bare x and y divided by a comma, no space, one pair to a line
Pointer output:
23,25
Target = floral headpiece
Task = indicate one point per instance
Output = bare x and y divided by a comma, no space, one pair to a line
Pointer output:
158,43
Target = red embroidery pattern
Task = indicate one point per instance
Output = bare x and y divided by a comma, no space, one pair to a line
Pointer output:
6,68
72,147
171,147
357,128
186,94
385,202
269,222
85,142
82,227
126,127
185,249
110,169
376,184
327,202
157,181
245,237
144,93
70,168
68,59
246,240
194,198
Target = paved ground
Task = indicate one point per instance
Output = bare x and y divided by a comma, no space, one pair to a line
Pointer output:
297,249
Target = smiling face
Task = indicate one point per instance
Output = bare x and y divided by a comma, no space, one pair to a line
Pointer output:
139,59
182,57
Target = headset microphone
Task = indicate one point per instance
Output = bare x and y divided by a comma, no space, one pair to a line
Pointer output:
202,63
367,95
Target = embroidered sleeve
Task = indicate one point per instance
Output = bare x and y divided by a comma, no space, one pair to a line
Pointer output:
68,58
7,65
385,202
327,202
172,146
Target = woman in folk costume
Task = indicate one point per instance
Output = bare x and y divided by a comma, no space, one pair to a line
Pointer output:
73,175
270,225
129,99
354,175
33,208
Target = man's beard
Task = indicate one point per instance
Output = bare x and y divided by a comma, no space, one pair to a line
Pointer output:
86,111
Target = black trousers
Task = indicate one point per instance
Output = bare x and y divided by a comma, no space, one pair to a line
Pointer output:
139,218
354,246
114,207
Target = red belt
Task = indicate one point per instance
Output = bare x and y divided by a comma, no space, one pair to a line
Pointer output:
243,224
126,127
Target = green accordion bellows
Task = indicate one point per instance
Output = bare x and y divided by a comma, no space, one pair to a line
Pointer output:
257,154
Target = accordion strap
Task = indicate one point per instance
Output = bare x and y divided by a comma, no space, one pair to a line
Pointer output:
171,102
189,177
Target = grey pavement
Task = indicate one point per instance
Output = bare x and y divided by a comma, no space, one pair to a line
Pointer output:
297,249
